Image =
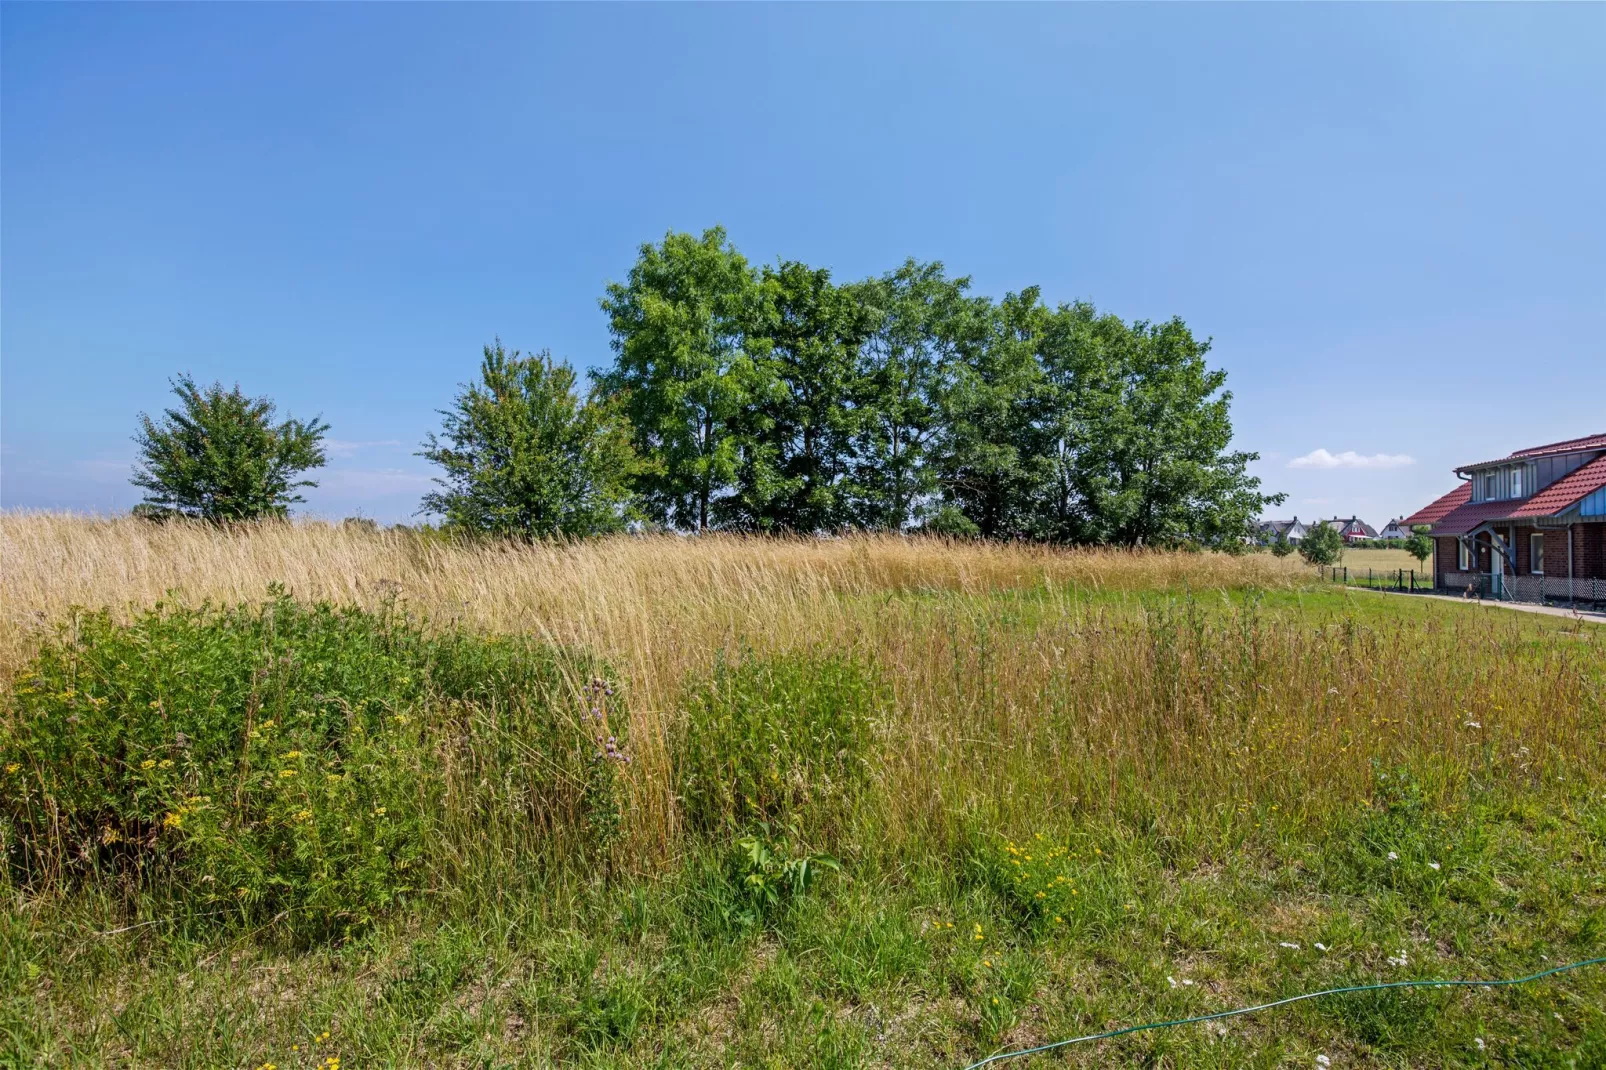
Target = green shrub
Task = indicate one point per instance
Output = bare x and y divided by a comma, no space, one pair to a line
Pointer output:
315,763
769,738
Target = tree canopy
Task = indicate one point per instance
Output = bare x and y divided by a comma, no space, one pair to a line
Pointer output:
220,456
523,454
777,399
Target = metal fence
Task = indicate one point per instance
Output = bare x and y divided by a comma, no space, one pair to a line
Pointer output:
1543,590
1381,579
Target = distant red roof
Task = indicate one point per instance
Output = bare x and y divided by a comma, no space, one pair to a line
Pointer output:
1432,514
1566,491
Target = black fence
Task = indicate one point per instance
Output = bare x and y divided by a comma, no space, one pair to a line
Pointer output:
1380,579
1582,592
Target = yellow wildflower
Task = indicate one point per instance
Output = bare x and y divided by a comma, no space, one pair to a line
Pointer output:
148,763
12,767
173,820
289,754
166,763
287,772
303,815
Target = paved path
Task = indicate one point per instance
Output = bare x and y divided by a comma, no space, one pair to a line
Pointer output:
1523,607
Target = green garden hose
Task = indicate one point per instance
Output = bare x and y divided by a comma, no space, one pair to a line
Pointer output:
1278,1003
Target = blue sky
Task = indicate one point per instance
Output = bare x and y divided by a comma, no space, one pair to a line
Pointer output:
1389,218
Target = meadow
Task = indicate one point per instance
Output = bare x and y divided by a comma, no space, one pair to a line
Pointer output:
316,796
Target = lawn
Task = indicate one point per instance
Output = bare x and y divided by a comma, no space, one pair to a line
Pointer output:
876,802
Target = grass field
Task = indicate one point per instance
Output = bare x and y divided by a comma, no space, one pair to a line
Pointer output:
866,802
1359,559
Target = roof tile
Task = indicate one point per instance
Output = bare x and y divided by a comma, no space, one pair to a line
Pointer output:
1565,491
1431,514
1571,445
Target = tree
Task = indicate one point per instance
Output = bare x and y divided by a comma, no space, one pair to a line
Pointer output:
1418,545
682,372
1281,546
904,372
219,456
991,430
524,455
1322,545
1135,439
796,443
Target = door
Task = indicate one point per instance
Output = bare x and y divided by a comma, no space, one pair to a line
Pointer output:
1497,570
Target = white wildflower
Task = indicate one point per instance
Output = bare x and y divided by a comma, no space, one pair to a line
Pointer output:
1172,981
1320,947
1399,959
1285,943
1478,1043
1393,857
1323,1061
1433,865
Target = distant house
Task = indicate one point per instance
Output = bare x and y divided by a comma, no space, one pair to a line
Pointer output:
1395,529
1270,530
1352,530
1530,525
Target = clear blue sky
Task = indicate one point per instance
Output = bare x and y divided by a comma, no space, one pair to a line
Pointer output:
1392,220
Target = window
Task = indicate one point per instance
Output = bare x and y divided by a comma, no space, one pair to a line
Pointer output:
1536,553
1463,558
1516,482
1488,487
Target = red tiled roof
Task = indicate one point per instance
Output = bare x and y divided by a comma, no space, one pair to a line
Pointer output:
1588,442
1457,514
1464,518
1431,514
1565,491
1571,445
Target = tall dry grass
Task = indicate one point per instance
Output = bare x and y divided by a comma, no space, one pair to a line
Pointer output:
1172,707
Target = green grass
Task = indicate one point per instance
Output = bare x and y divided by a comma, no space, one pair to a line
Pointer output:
866,824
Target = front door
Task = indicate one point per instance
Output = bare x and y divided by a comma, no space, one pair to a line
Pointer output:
1496,569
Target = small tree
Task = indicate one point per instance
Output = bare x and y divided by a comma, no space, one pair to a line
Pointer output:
524,455
1281,546
219,456
1322,545
1418,545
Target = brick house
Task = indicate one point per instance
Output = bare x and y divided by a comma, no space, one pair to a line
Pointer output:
1530,526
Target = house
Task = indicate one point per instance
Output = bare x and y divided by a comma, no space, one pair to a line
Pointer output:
1270,530
1530,525
1352,530
1395,529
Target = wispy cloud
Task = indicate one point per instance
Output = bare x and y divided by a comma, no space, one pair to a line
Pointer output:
1350,459
341,447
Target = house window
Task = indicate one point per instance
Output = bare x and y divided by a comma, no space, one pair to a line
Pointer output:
1488,487
1463,557
1536,553
1516,482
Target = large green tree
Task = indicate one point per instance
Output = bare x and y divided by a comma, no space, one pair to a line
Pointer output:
682,372
993,404
1137,439
220,456
924,322
523,454
797,441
